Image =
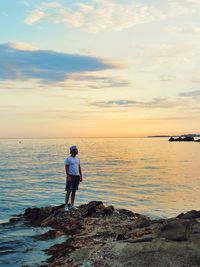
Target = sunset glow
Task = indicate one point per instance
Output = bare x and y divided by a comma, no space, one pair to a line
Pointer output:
99,68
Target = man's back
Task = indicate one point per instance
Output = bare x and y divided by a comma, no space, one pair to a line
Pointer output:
73,164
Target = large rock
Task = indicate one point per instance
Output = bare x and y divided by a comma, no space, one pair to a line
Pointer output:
176,230
188,139
106,237
193,214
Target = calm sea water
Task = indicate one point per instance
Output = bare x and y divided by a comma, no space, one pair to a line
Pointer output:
147,175
150,176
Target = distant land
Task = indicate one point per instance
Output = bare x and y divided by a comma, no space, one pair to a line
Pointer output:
183,135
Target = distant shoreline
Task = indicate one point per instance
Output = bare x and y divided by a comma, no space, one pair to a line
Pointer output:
98,137
159,136
182,135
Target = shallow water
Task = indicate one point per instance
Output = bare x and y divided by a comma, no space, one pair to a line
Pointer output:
19,247
147,175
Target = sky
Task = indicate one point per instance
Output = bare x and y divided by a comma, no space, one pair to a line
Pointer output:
99,68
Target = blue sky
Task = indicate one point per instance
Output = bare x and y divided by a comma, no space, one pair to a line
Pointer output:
99,68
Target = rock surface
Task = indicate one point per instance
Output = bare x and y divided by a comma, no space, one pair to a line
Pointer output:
102,236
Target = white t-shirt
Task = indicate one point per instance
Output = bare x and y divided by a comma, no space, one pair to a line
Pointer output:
73,163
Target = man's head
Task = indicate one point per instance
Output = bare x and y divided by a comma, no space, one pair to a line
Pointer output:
73,150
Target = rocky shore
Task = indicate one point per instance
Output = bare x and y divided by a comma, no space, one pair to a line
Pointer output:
103,236
183,139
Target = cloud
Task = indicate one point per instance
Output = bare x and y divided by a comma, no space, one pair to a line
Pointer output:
51,4
103,15
94,81
154,103
40,12
195,93
185,101
96,15
23,46
35,16
19,61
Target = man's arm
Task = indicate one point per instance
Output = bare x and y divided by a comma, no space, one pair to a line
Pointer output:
67,173
80,171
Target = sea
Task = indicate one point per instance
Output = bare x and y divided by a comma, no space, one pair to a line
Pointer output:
150,176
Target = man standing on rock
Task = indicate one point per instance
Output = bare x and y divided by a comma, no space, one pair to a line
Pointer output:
74,176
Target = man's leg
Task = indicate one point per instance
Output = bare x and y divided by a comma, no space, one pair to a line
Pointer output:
73,197
67,195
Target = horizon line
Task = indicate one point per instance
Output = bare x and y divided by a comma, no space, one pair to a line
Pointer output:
142,136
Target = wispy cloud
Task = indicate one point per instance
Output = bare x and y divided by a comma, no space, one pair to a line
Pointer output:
35,16
94,81
184,101
51,4
23,46
154,103
100,15
195,93
19,61
96,15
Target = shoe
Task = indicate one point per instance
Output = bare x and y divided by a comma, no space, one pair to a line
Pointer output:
72,208
66,208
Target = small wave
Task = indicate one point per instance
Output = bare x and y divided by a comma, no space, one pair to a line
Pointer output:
8,169
151,167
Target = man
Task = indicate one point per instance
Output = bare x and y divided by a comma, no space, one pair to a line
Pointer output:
74,176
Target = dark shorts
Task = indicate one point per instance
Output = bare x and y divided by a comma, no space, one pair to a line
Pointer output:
72,186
